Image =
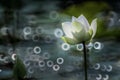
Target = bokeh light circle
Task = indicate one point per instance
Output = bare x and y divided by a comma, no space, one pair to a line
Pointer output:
60,60
65,46
37,50
50,63
41,63
97,45
56,67
46,55
27,30
13,56
38,30
30,70
79,47
58,33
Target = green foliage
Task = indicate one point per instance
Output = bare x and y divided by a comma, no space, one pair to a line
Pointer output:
89,9
19,69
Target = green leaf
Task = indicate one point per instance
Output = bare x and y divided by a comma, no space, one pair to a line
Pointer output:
19,69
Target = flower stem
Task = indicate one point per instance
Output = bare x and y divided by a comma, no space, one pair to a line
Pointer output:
85,60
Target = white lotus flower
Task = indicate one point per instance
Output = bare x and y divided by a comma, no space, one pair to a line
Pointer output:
79,30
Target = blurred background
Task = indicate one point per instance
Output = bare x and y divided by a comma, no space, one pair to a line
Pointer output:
31,30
